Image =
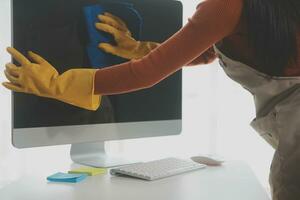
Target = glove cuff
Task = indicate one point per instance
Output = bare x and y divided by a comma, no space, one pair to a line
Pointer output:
76,87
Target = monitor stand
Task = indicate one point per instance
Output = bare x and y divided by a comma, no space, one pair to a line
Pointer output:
94,155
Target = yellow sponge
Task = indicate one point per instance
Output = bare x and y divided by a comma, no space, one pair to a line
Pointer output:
90,171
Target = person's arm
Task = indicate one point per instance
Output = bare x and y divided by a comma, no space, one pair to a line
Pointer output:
213,20
128,47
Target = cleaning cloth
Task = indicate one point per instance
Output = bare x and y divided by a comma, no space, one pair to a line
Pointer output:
97,57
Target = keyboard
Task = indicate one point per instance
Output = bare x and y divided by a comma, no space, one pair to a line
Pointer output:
157,169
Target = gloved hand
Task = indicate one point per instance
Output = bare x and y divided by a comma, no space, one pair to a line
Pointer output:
75,86
127,47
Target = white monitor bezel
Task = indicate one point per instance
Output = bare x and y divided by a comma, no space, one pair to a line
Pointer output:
48,136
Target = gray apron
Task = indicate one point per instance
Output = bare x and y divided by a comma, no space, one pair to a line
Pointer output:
277,104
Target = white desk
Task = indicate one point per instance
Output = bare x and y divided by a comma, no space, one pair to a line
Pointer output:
233,181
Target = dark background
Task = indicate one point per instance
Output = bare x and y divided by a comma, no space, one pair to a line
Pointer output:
56,30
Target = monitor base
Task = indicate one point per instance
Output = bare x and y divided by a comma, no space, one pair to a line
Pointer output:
94,155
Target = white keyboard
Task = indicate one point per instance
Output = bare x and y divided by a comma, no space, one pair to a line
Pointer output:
157,169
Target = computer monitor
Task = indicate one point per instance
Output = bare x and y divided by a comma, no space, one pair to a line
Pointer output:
56,30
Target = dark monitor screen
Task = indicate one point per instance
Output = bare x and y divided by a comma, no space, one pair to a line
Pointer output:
56,30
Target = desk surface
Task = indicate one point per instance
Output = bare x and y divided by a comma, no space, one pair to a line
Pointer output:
232,181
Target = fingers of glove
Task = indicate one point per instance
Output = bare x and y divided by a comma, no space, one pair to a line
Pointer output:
109,29
11,78
20,58
13,69
112,22
108,48
119,20
36,58
12,87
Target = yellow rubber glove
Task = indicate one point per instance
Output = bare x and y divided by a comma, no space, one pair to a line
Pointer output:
127,47
75,86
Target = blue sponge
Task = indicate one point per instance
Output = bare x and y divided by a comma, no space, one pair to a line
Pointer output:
68,178
97,57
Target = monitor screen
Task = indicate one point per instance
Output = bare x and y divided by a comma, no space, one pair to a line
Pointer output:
57,30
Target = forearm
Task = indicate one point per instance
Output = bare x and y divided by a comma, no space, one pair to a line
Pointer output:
118,79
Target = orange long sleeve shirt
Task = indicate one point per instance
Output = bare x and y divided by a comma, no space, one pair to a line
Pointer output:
213,21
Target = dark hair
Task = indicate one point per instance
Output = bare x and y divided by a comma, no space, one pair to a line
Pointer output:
273,27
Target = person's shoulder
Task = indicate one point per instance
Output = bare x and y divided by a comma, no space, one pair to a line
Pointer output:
225,3
230,10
